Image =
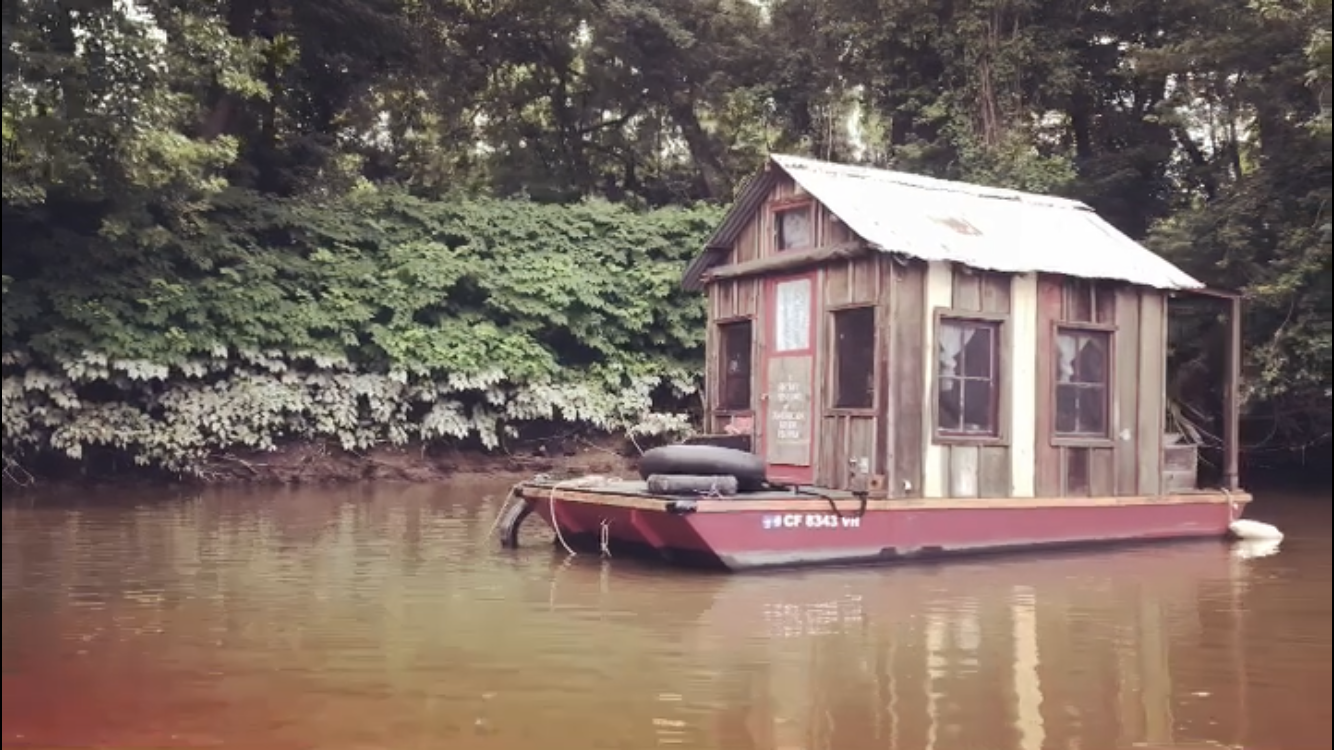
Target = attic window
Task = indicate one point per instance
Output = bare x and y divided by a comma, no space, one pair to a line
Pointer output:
794,228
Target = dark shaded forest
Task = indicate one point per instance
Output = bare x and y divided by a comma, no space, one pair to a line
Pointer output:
229,224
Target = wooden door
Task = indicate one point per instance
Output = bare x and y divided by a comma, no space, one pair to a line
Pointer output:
787,392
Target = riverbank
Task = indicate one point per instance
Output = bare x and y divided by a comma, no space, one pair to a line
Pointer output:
319,463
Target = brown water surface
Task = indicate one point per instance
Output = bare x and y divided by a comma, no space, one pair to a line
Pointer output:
386,617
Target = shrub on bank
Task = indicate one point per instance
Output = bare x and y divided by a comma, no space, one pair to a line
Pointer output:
375,318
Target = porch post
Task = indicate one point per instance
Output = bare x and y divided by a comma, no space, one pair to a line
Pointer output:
1232,401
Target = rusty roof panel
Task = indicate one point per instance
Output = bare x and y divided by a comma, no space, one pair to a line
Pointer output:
986,228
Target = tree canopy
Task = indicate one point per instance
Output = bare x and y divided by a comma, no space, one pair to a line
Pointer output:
187,179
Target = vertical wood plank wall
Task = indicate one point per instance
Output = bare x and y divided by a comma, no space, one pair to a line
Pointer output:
1152,382
1130,462
1126,394
734,299
1047,458
897,435
743,298
905,427
961,469
731,299
846,435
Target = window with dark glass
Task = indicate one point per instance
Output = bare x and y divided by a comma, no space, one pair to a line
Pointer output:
968,378
854,358
734,378
1083,369
795,228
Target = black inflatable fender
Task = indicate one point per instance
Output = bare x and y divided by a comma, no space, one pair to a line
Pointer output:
688,485
705,460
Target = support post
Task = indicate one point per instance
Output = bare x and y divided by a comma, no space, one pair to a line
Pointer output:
1232,402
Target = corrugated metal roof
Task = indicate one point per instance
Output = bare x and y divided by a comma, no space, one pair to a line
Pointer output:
986,228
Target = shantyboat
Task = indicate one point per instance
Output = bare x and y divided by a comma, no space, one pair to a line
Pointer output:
917,367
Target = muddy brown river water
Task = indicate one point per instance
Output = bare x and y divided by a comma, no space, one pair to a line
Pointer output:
386,617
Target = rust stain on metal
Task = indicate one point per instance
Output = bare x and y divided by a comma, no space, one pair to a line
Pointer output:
959,225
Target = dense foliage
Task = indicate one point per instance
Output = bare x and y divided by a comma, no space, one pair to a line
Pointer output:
383,318
232,222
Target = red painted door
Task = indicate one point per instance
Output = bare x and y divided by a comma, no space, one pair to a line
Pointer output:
787,381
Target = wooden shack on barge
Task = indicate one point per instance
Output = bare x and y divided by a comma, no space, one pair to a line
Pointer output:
960,367
948,340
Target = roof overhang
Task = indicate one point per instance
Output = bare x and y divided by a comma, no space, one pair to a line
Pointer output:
752,195
1211,292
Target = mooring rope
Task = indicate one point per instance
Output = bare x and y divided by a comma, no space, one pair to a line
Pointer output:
584,481
555,524
1231,505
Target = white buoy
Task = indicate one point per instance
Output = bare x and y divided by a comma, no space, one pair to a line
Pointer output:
1245,528
1254,549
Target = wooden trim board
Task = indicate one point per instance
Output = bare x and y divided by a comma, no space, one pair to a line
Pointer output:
622,499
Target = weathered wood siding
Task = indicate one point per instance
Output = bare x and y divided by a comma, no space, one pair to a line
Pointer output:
905,417
1129,461
1152,401
889,434
749,244
959,468
849,438
896,437
734,299
757,238
731,299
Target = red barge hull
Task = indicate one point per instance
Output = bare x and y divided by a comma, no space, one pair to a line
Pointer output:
785,530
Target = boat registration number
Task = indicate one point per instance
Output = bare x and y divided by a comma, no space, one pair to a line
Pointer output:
810,521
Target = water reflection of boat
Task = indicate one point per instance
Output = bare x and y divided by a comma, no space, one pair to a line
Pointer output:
1073,650
815,602
820,602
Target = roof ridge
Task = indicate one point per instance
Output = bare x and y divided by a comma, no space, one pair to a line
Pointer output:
926,182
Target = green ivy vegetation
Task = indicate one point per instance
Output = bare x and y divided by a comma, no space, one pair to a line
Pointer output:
368,319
